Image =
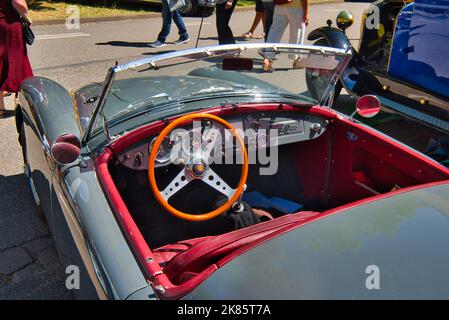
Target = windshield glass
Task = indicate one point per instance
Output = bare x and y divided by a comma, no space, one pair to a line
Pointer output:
221,74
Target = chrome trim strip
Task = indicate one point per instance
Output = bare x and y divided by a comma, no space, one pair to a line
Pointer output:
229,47
415,114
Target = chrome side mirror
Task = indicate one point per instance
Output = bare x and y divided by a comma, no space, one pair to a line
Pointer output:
368,106
66,149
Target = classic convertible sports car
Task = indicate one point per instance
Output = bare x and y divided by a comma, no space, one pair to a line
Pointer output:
195,175
402,57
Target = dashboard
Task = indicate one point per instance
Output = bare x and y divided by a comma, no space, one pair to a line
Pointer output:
259,130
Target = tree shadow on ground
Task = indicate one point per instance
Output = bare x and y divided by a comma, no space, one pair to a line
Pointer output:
37,5
19,223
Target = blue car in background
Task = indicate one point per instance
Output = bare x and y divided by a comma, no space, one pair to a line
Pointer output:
403,58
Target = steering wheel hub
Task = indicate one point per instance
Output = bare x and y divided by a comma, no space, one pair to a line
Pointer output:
197,170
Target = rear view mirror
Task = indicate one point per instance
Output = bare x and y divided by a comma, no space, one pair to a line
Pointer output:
66,149
368,106
237,64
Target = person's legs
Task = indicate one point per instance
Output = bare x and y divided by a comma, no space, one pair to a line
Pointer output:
295,18
225,35
264,21
277,29
297,30
268,14
182,31
259,15
220,24
250,34
166,22
256,21
280,22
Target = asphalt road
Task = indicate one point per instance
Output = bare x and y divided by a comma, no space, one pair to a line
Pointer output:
28,262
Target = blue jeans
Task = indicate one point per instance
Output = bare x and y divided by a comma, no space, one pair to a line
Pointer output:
167,17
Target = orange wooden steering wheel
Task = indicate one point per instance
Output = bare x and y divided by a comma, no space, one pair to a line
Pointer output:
198,169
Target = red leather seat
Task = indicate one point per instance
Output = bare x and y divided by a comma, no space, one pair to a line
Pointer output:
190,257
164,254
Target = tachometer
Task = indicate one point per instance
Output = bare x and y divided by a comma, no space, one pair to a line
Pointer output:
193,143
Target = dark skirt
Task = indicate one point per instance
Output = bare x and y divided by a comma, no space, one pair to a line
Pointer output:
14,63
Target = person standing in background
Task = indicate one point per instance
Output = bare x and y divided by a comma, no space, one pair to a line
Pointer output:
268,10
167,17
14,64
287,12
224,10
260,15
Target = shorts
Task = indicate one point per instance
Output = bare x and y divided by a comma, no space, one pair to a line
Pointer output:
259,6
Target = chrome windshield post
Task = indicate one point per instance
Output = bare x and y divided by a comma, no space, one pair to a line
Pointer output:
328,97
99,110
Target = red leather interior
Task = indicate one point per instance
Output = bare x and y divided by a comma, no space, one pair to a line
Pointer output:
365,158
370,159
164,254
328,167
186,258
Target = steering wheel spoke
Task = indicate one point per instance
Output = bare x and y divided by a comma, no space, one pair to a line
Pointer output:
215,181
179,182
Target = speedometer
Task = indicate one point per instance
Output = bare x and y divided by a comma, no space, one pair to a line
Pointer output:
164,152
190,142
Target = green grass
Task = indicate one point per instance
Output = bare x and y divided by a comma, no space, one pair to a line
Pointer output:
56,9
245,3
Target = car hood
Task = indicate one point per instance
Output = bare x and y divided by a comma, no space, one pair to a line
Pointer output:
402,240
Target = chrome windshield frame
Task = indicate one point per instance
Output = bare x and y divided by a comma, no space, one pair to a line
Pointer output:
210,51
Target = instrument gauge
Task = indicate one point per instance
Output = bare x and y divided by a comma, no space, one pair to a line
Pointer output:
191,142
164,151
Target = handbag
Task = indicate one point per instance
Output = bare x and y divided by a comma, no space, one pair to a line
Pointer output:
176,4
28,34
279,2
